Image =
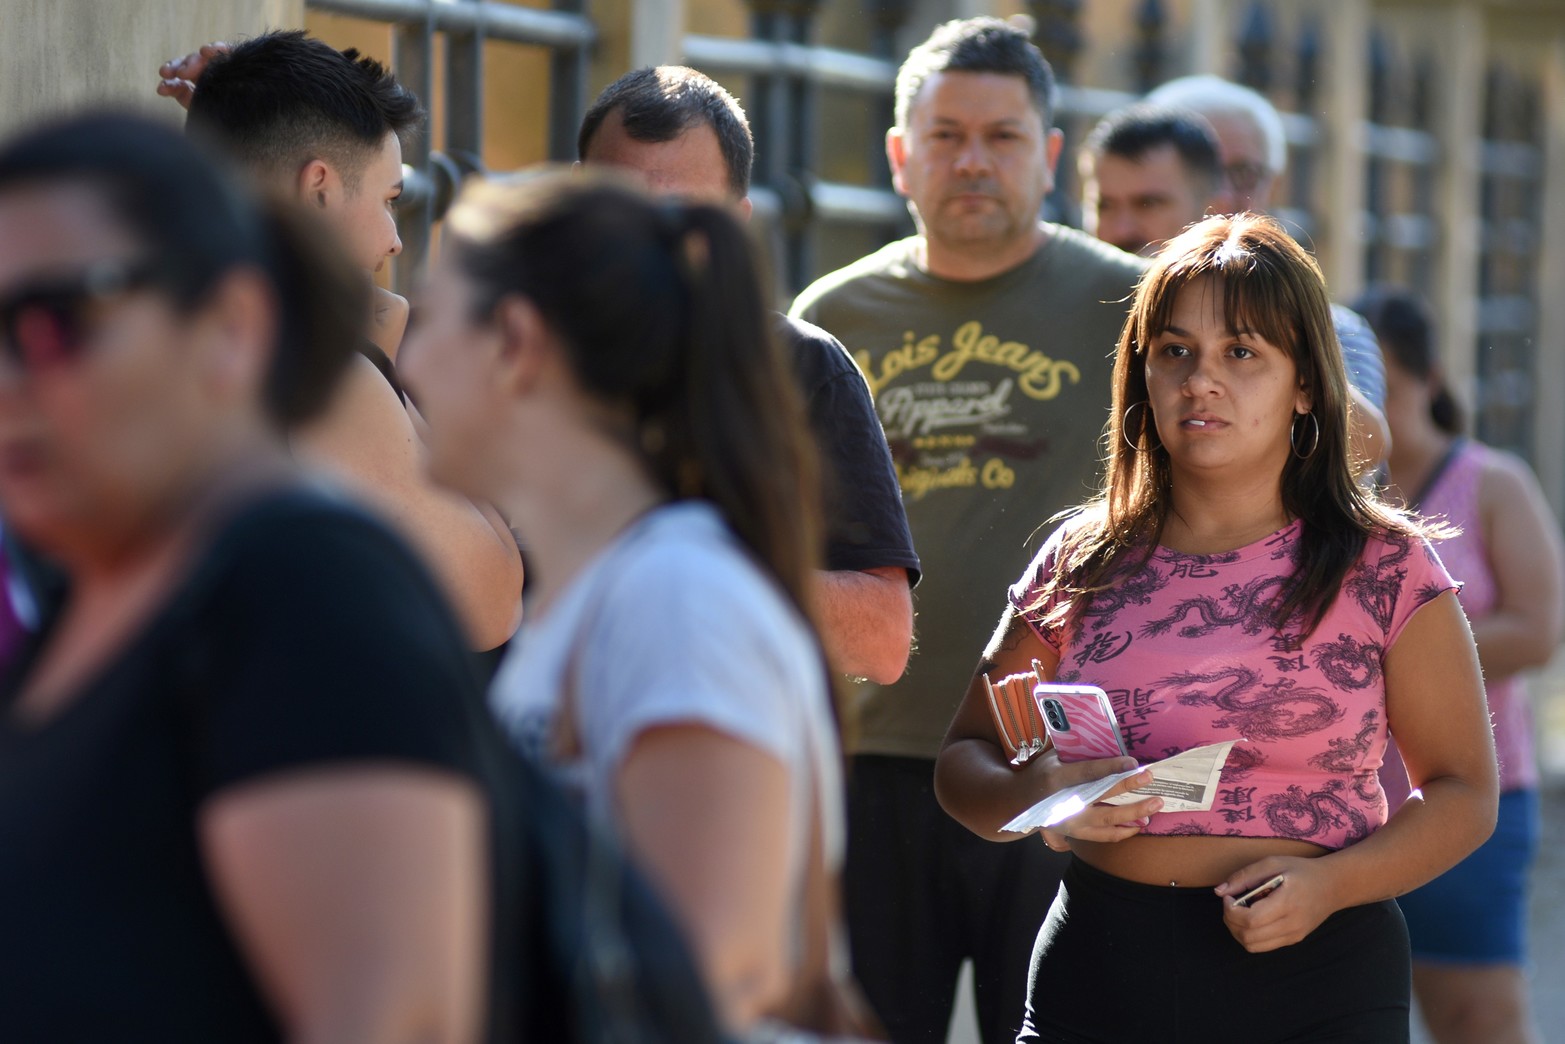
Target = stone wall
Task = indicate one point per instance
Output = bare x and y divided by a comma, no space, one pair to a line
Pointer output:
61,55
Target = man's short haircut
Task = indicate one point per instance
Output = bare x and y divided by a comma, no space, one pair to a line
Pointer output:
977,45
1213,96
282,99
658,104
1136,130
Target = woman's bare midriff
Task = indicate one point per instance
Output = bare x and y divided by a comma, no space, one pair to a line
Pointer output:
1189,862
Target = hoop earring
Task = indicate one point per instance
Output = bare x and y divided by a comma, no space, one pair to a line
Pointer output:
1293,436
1124,427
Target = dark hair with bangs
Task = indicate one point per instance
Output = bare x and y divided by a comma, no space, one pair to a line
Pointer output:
1272,287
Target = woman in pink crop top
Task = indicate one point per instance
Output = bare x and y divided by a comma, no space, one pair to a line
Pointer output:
1468,926
1232,582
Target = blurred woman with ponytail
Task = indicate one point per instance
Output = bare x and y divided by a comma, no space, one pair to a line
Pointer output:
598,365
240,783
1468,926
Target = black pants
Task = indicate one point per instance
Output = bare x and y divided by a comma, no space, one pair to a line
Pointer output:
1118,961
923,894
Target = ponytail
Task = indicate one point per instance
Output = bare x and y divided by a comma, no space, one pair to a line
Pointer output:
1405,331
661,311
1446,412
743,421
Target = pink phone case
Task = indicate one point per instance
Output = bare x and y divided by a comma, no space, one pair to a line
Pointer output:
1080,721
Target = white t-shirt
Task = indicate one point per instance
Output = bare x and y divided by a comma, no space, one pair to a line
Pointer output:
673,623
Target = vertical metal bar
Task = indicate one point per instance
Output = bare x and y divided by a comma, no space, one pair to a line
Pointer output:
1422,118
1460,42
1304,161
1549,431
1345,104
769,119
804,100
413,47
1255,47
465,97
1057,33
769,114
567,91
890,17
1377,197
1151,21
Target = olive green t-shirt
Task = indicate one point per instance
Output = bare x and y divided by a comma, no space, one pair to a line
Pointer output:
994,396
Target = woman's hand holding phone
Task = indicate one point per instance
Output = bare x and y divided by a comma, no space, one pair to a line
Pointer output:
1285,914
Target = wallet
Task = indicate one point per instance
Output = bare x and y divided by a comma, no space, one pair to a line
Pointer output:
1015,713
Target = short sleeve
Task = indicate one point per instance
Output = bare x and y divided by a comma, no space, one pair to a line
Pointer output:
1420,577
866,523
324,641
695,639
1026,595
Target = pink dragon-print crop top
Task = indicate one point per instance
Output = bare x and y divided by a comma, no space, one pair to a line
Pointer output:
1187,651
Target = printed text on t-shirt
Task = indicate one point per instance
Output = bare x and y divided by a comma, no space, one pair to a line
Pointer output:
1039,376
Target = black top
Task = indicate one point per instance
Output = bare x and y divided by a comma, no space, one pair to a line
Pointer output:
304,634
866,526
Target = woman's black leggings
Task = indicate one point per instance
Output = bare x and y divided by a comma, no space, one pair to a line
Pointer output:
1118,962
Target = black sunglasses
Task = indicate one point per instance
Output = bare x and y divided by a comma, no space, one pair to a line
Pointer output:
43,323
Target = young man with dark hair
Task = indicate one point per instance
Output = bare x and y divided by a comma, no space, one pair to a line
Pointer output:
1146,173
326,127
684,135
988,339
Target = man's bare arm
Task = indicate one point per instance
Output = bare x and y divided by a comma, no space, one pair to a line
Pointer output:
866,621
367,441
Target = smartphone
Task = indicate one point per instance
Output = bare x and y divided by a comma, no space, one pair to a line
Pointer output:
1080,721
1260,891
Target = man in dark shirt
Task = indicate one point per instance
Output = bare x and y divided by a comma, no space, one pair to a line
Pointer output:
686,136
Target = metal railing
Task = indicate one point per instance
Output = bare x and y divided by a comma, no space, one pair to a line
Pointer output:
1511,171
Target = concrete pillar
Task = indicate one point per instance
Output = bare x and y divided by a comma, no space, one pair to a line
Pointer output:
1459,126
657,32
1549,432
1345,100
61,55
1210,20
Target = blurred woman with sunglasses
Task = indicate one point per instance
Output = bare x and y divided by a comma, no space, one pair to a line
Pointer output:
238,783
598,366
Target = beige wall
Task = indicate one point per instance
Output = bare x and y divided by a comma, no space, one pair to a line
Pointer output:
60,55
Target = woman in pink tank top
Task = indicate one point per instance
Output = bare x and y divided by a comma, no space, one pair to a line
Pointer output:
1233,582
1468,925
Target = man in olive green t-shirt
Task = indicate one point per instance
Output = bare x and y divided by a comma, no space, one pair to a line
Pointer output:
987,340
